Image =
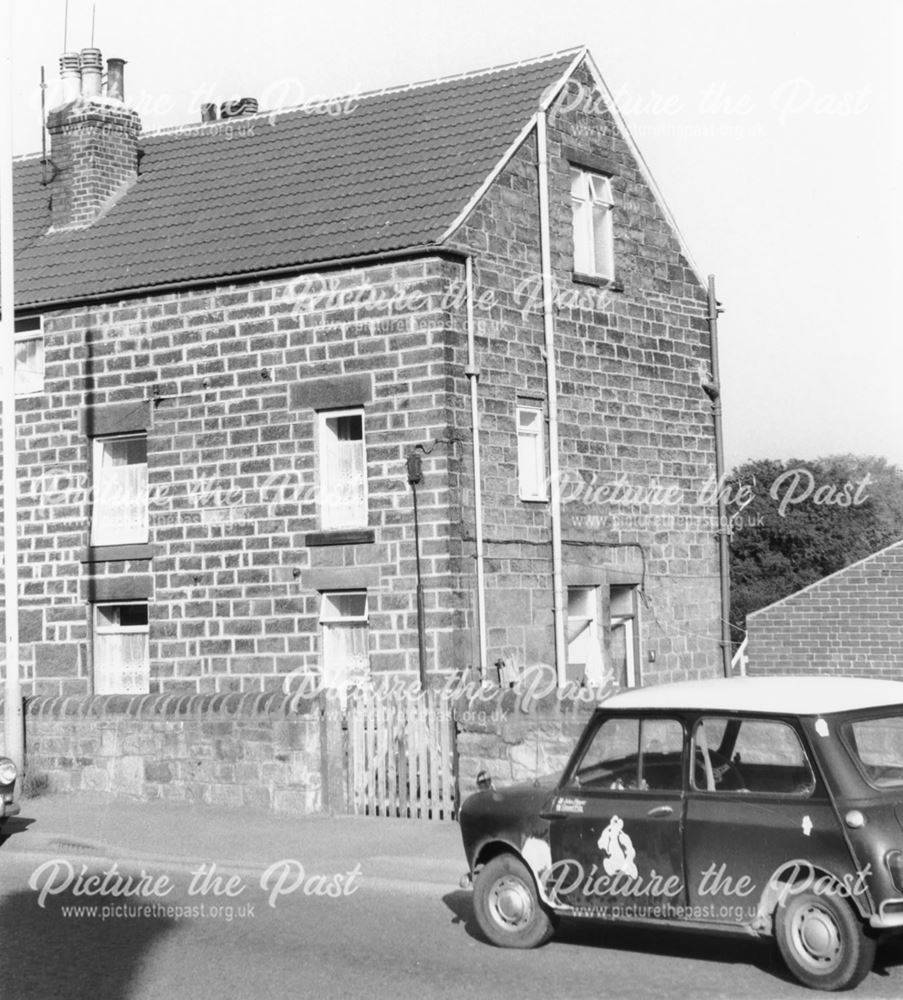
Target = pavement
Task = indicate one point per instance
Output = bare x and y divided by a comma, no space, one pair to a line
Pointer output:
95,828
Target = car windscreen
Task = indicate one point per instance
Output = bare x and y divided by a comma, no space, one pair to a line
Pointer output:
876,745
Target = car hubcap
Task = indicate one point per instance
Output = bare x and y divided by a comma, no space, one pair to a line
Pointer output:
510,903
816,938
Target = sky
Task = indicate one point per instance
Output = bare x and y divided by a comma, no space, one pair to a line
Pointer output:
772,127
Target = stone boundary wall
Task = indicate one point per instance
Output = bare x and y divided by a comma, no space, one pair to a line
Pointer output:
262,751
515,737
273,751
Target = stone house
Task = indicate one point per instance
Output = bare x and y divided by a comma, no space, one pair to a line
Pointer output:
847,623
247,346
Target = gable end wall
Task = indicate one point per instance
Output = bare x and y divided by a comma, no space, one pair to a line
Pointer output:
631,409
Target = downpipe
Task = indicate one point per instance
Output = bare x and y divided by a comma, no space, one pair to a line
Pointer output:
472,372
713,391
548,320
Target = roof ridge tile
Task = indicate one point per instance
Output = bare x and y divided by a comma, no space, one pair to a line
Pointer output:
383,92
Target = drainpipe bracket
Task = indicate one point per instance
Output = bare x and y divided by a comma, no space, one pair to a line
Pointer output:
472,371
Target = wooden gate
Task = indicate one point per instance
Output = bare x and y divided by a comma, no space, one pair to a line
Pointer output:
401,755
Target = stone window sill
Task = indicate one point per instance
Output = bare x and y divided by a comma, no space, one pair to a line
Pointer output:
346,536
118,553
612,284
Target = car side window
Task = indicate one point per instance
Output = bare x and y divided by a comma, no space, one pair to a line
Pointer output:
632,754
763,756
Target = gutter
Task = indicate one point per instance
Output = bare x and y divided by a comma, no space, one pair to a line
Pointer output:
246,277
548,322
472,372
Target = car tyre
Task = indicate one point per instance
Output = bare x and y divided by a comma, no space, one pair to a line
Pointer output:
823,942
507,905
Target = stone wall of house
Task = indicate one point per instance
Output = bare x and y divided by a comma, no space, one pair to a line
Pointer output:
227,383
848,623
260,751
637,447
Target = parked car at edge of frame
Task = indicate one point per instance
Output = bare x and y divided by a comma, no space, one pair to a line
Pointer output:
767,806
8,777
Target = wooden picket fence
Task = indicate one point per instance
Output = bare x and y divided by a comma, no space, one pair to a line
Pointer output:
401,755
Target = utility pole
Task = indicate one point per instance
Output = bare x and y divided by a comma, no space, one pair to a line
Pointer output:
14,729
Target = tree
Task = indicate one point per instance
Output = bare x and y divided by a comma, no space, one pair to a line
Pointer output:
795,522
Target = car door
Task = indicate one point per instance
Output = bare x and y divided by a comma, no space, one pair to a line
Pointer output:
754,804
615,822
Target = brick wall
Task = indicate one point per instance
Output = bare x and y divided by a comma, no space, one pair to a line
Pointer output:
848,623
227,383
256,751
94,150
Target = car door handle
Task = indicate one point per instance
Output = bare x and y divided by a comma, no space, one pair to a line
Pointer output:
660,811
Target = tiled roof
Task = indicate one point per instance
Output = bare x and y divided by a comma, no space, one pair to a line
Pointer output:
293,188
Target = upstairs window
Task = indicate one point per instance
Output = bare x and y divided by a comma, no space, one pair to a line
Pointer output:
119,515
121,662
531,456
592,204
29,372
343,479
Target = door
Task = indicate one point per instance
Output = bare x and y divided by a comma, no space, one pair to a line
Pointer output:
615,830
754,805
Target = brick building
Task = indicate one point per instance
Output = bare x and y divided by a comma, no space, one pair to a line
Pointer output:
848,623
232,336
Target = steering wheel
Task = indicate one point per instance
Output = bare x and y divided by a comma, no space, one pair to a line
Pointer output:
727,774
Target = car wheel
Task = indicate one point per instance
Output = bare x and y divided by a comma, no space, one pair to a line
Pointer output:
507,906
823,942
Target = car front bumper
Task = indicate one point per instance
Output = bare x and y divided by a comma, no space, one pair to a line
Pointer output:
889,915
8,809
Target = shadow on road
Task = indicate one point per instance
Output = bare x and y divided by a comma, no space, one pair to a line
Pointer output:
18,824
703,947
461,905
48,953
726,949
663,941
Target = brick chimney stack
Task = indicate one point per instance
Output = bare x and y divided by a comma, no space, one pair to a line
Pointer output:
93,143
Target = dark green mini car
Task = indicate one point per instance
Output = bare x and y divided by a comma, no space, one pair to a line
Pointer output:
761,806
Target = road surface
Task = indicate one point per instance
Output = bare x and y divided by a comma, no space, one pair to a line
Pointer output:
215,935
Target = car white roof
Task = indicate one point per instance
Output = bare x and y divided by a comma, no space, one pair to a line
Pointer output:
810,695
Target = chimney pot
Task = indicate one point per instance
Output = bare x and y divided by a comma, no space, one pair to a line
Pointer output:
71,76
238,109
116,79
91,61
